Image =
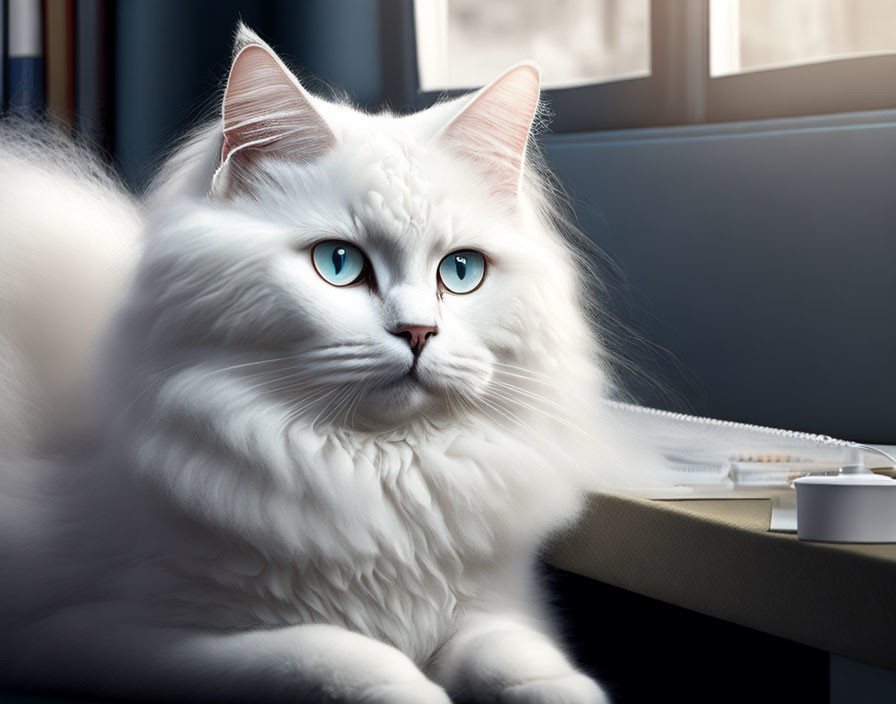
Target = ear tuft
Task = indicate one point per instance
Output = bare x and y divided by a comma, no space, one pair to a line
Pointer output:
266,113
494,127
244,37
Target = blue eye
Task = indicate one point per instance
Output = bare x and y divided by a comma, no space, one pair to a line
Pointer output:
462,271
338,263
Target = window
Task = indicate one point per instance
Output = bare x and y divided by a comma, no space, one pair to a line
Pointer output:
465,43
752,35
633,63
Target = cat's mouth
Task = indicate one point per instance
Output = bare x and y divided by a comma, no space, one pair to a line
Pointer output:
411,378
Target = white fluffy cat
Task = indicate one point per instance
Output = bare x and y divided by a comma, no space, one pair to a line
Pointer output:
348,393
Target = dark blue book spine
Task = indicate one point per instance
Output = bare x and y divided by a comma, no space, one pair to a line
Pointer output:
26,84
2,56
25,61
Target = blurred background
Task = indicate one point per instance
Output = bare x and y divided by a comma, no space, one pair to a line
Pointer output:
734,160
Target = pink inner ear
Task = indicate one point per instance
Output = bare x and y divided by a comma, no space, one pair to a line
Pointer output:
265,109
493,129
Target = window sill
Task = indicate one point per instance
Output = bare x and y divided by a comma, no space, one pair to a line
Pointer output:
717,557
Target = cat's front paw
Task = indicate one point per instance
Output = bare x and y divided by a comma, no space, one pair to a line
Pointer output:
421,691
573,688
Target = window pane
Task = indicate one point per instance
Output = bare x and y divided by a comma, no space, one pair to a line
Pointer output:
748,35
467,43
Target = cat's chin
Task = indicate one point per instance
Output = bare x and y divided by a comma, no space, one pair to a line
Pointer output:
405,396
401,401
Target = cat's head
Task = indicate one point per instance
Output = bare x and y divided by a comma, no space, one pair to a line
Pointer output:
392,265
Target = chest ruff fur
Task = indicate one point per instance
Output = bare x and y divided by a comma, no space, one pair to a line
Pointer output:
389,537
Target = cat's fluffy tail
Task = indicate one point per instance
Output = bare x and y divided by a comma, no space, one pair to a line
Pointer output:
69,234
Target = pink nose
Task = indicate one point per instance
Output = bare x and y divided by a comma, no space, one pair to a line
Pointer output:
416,335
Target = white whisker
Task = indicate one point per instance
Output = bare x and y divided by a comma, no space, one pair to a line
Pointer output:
543,412
296,413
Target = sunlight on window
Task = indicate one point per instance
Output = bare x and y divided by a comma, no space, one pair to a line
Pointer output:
466,43
750,35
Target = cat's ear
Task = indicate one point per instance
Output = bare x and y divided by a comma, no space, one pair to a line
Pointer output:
265,113
493,129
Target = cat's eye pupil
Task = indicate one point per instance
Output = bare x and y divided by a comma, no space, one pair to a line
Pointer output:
338,259
462,271
339,263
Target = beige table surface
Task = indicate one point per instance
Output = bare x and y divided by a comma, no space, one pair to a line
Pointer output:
717,557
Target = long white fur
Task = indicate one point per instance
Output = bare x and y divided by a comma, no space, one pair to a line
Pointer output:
60,236
266,508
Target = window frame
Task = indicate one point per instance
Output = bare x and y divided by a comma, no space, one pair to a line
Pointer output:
679,89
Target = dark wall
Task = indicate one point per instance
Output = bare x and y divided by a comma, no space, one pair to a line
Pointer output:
170,61
756,262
